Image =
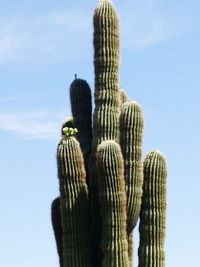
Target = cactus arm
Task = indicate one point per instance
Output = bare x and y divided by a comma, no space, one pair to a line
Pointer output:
112,199
131,129
57,227
81,106
153,212
74,203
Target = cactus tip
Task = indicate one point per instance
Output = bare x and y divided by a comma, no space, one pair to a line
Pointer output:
68,131
156,154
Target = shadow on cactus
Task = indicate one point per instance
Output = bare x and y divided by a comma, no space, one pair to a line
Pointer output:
104,185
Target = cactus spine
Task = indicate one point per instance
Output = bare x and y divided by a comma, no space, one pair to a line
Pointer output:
103,185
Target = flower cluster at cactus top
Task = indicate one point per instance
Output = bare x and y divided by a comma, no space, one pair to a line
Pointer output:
69,131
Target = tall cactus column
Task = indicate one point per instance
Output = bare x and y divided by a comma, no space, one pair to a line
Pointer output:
153,212
106,65
112,199
81,105
131,128
107,101
74,204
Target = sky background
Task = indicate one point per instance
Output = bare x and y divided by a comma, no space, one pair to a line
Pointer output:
42,45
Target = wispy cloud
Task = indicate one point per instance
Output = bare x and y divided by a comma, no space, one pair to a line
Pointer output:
155,31
33,125
46,38
148,23
67,35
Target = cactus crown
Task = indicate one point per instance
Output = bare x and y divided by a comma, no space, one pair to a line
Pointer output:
68,131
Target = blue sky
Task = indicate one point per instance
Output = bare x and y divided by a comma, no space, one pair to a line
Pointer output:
42,45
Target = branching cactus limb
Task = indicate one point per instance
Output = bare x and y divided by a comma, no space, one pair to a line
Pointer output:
74,204
153,212
131,128
112,199
57,227
81,104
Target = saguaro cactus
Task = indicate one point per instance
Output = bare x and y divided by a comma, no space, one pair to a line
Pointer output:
104,186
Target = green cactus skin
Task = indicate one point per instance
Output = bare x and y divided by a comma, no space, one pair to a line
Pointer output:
81,104
130,249
131,128
74,204
112,199
153,212
106,65
57,227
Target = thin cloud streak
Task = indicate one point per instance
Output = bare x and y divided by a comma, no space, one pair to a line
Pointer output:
51,37
68,35
33,125
149,23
